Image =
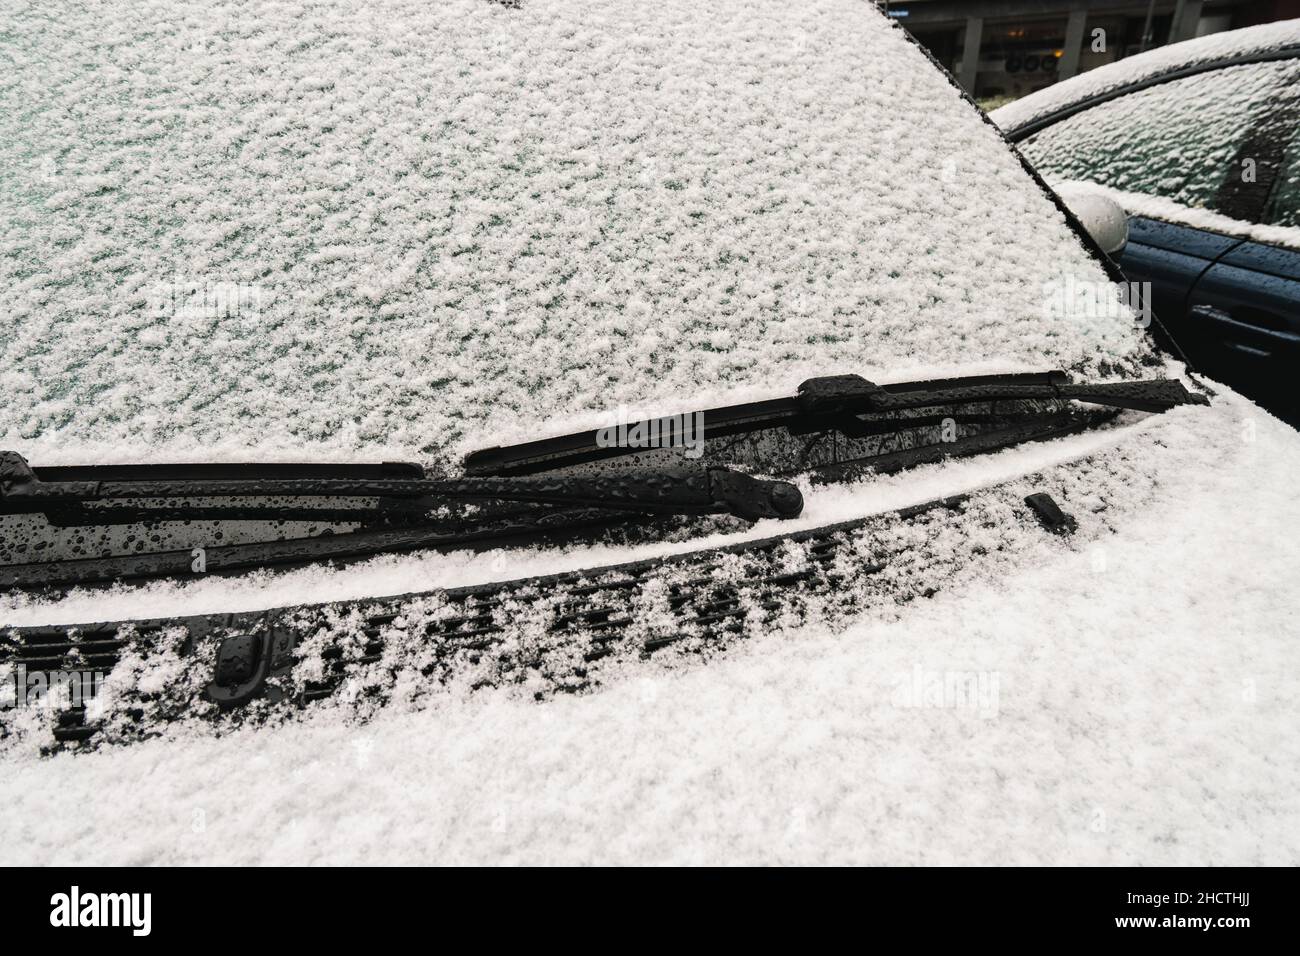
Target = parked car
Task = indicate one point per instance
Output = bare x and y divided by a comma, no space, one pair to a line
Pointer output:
1200,143
682,430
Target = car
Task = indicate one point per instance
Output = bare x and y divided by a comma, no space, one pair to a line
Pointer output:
616,432
1197,142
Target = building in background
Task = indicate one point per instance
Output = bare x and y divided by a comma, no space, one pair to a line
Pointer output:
1003,49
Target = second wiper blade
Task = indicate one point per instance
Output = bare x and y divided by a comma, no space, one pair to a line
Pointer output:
834,402
1037,429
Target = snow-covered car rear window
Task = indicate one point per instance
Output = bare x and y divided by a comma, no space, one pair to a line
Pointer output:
409,228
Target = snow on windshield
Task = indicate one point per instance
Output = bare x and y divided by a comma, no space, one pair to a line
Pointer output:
405,229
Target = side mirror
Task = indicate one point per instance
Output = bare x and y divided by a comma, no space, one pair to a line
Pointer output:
1101,216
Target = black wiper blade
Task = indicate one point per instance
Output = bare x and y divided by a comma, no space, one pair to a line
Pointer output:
835,402
521,529
854,394
681,490
380,514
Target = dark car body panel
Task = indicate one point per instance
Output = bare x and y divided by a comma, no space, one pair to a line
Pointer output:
1172,258
1232,304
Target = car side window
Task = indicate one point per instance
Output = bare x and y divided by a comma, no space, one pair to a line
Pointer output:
1199,141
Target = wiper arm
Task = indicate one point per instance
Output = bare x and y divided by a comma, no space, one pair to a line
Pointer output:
834,403
518,529
666,491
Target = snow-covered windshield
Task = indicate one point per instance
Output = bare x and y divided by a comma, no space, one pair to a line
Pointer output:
408,228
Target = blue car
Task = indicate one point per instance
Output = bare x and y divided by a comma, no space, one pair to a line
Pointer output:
1199,142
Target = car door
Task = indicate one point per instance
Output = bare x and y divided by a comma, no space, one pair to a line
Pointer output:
1217,142
1172,258
1248,301
1245,311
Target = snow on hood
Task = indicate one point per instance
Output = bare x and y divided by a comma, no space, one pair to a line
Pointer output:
404,229
1248,41
464,216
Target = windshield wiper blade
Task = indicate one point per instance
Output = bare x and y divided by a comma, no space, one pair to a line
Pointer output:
854,394
835,403
683,490
527,528
519,530
409,513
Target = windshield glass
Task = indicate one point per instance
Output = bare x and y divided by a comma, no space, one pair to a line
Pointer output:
406,230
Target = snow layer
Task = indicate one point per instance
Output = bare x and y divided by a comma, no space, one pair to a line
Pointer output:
1215,46
1178,140
1138,699
434,225
402,229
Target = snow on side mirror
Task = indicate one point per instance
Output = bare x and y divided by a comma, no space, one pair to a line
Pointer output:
1100,215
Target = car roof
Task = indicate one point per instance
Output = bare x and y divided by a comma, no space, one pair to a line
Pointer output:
1268,41
407,231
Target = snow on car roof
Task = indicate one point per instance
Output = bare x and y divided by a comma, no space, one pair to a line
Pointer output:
406,229
1249,41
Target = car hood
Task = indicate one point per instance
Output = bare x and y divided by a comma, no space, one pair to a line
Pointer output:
407,229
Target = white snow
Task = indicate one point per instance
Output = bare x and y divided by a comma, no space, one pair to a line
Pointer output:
460,219
1247,41
458,224
1138,703
1177,142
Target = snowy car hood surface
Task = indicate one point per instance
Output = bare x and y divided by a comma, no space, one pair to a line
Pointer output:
1248,41
1146,680
405,229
